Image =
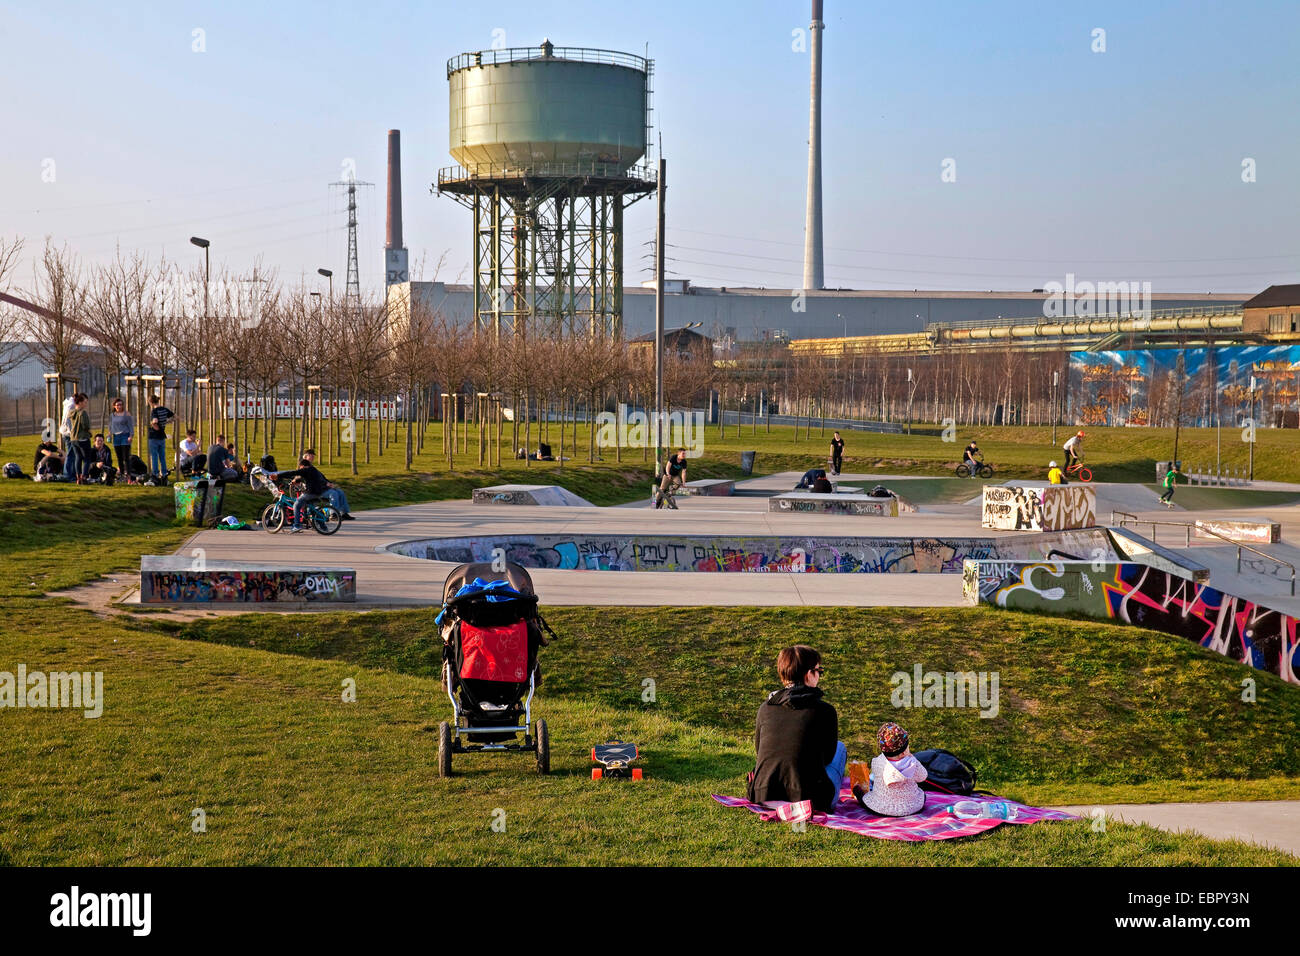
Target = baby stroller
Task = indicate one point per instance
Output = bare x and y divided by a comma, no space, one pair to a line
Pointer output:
491,630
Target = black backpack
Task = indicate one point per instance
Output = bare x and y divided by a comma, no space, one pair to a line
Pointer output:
268,463
12,470
948,773
136,467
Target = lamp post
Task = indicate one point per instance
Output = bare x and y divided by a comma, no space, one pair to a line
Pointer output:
1055,377
328,275
659,319
204,244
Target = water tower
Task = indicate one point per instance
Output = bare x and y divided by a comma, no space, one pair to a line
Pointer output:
547,141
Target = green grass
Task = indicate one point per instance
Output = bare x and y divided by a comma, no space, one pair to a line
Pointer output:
288,773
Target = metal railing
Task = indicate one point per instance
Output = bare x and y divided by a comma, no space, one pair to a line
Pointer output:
498,171
1189,526
517,54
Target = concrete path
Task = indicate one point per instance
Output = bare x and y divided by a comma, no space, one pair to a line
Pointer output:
1271,823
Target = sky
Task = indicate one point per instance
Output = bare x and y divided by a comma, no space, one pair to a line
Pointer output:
1122,155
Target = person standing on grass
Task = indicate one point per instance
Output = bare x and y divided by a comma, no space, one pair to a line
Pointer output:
1171,482
79,436
837,452
799,755
121,425
159,416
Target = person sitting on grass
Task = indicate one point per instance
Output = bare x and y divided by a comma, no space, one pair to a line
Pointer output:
48,463
316,486
219,460
189,450
895,775
799,753
101,462
333,493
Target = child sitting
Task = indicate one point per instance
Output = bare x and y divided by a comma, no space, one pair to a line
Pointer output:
895,774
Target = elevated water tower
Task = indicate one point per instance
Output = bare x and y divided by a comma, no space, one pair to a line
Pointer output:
547,141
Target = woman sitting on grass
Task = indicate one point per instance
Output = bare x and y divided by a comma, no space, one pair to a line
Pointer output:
800,756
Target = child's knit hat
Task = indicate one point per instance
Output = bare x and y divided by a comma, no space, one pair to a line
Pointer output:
892,739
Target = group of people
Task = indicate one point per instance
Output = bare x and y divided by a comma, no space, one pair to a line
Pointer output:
799,755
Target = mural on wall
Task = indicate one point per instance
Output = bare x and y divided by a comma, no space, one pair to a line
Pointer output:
199,502
235,586
1054,508
1243,630
1140,387
798,554
834,505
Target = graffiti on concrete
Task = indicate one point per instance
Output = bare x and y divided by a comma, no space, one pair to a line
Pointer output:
1148,597
199,502
528,495
1054,508
799,554
229,585
831,504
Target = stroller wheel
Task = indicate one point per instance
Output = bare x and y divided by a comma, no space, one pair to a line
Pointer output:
543,748
444,749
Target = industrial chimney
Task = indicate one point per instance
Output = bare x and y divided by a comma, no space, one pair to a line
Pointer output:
813,277
395,257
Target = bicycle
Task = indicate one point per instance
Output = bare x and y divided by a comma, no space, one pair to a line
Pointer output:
321,516
981,468
666,497
1077,470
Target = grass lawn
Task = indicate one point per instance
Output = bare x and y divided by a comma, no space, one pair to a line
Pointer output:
244,718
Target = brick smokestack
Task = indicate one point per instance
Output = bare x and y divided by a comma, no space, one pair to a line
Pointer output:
394,234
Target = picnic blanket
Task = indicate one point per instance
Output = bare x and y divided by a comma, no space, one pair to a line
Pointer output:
936,820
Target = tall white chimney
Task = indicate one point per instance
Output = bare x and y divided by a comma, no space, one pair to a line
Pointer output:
813,276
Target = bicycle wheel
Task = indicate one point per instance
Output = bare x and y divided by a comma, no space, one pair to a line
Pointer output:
326,519
1085,474
963,471
272,518
986,471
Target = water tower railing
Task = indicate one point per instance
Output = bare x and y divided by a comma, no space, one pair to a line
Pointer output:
498,171
520,53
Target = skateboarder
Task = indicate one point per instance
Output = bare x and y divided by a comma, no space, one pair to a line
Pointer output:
1171,481
837,453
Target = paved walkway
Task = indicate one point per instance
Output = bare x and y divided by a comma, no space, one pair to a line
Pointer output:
1271,823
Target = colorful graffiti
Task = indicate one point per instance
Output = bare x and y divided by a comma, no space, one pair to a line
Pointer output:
799,554
169,580
1053,508
809,503
1131,387
1146,597
199,502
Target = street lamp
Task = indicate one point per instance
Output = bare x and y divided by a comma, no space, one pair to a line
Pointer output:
328,275
207,269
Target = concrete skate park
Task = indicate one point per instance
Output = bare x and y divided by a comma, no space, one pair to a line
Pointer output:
402,555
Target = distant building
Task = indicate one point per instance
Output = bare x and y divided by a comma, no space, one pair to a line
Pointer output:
684,343
1275,311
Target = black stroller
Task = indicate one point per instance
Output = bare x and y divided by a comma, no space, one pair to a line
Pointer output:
491,630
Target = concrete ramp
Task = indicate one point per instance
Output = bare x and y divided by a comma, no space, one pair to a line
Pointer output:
1134,547
552,495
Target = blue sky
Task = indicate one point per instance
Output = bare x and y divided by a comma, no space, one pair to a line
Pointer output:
1119,165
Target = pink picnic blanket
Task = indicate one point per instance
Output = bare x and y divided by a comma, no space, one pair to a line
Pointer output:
936,820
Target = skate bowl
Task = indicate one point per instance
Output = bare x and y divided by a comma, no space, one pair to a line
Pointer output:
552,495
759,553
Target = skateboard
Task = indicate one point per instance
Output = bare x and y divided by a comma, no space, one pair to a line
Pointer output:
617,758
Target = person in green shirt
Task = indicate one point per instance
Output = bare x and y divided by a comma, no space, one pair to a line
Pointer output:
79,436
1171,481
